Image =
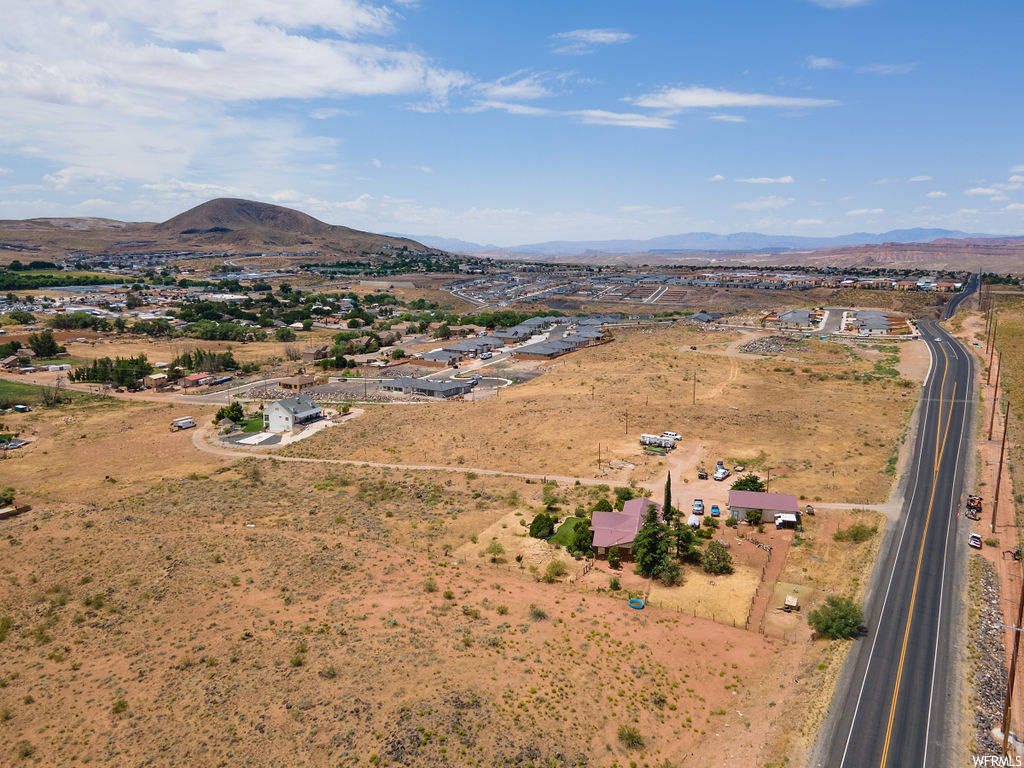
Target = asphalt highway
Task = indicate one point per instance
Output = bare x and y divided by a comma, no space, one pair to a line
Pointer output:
895,710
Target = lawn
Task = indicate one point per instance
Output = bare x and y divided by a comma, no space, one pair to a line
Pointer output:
563,535
13,390
254,424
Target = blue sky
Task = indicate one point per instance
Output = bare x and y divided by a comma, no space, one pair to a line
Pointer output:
519,122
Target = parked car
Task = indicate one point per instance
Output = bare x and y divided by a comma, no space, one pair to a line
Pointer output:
715,512
673,435
721,473
10,445
974,540
693,347
698,506
739,468
702,474
809,510
486,356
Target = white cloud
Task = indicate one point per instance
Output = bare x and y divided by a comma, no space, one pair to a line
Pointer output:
674,100
716,177
807,222
920,178
5,171
981,191
514,87
936,193
626,119
969,210
512,109
139,90
768,180
885,181
822,62
1016,179
583,41
1014,207
771,202
1017,169
888,69
728,118
376,163
424,169
199,189
865,211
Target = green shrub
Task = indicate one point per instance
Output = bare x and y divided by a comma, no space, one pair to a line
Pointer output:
614,558
614,584
630,737
856,533
537,613
120,706
555,569
839,618
716,559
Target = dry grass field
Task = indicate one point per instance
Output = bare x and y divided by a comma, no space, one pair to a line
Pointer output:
163,605
274,614
98,449
826,424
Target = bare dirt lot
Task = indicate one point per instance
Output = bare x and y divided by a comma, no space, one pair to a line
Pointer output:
164,605
217,619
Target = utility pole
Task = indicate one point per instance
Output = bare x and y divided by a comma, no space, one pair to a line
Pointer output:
999,475
995,329
598,457
627,422
995,395
694,387
1013,668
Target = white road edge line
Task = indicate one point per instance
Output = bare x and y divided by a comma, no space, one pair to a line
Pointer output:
892,573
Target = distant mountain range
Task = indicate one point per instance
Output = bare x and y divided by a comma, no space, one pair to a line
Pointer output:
701,242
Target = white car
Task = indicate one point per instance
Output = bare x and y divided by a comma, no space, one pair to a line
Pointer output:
673,435
974,540
721,473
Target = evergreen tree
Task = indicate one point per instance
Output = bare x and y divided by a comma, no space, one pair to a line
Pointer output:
650,546
666,507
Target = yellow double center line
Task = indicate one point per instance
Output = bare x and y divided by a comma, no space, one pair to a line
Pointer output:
940,447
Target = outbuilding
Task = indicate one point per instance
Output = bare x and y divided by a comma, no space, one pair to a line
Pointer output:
770,505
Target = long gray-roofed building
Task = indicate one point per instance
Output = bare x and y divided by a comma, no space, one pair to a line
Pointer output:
428,387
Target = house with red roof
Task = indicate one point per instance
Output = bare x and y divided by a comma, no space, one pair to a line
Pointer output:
618,529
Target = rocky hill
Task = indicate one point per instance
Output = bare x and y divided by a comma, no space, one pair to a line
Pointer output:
224,224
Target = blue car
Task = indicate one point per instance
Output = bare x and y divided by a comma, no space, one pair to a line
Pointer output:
714,510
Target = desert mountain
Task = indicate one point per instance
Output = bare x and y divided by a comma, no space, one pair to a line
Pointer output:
224,224
228,213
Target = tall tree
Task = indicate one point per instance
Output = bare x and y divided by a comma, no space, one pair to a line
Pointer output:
686,541
650,546
666,507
